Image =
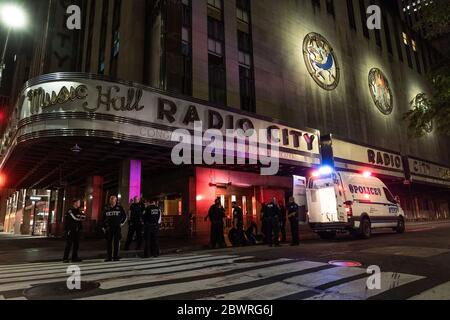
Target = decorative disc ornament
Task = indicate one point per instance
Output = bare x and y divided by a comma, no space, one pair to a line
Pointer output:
321,61
380,91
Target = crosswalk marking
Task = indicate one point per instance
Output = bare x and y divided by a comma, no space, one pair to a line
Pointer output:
148,279
216,282
124,271
292,285
92,263
357,289
232,277
440,292
119,266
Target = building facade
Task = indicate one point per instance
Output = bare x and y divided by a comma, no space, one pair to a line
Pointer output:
140,69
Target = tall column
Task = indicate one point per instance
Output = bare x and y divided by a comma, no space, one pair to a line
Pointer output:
94,197
129,181
3,203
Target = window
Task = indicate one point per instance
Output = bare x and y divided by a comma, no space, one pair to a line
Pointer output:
186,47
242,10
389,196
405,39
413,45
351,14
217,80
102,54
247,89
115,48
330,7
362,12
408,51
216,58
215,36
216,4
90,36
246,71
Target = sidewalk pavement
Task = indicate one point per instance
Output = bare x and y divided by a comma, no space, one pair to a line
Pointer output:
26,249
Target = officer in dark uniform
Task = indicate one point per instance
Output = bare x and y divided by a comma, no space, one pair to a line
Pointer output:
216,215
273,215
135,224
73,224
238,223
293,219
152,220
113,219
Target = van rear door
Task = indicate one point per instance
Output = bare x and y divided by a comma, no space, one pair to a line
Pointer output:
322,202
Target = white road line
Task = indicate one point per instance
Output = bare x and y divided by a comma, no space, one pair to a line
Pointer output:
357,290
97,262
212,283
107,267
292,285
440,292
117,283
95,275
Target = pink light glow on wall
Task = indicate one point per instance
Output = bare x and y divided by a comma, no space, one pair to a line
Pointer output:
135,179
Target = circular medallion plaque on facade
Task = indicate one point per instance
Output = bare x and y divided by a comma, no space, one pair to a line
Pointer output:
321,61
380,91
420,102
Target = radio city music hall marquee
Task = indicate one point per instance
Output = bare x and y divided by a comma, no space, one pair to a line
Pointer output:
152,107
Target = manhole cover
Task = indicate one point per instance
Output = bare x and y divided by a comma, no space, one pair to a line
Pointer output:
343,263
59,291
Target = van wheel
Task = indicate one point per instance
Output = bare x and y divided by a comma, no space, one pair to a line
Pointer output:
327,235
400,226
365,229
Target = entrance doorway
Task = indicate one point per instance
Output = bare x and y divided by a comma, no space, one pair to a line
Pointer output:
245,198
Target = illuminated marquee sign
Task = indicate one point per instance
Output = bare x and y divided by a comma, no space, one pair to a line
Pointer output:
321,61
381,91
353,157
149,115
424,171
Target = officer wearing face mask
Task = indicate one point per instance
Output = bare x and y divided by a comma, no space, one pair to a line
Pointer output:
113,219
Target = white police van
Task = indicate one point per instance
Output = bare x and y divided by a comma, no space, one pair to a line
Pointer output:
350,202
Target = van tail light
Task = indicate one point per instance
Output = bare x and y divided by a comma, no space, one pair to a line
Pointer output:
349,210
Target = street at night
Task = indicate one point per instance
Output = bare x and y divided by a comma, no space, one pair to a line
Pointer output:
413,265
224,158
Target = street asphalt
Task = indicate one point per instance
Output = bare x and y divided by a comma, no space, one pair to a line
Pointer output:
413,265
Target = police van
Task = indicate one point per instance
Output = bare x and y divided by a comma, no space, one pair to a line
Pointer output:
350,202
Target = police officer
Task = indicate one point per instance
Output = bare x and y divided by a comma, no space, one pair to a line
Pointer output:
73,224
113,219
282,221
152,220
135,224
293,219
216,215
273,215
238,223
